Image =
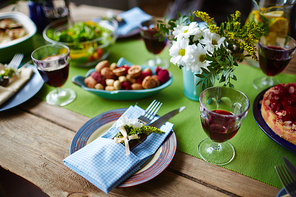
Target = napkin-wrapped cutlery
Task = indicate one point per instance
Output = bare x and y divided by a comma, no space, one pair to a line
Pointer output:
15,82
157,124
105,164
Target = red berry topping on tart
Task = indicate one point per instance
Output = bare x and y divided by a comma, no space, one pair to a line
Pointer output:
278,109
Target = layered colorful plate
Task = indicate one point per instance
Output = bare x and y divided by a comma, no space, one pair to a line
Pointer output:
157,163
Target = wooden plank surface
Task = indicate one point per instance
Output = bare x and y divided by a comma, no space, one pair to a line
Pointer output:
30,132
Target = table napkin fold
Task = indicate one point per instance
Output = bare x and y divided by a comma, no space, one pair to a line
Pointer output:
133,19
15,84
105,163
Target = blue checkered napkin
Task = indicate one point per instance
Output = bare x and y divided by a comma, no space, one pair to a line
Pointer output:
105,163
133,19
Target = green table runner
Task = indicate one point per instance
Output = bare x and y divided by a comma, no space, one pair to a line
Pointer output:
256,153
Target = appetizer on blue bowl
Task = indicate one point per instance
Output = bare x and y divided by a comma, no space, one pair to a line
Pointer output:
124,80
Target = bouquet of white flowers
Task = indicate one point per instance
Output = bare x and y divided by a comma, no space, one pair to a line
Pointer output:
210,50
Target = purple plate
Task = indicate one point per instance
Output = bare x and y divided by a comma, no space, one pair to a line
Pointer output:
151,169
265,128
25,93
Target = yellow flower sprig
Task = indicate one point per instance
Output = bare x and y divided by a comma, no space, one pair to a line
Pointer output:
236,16
204,16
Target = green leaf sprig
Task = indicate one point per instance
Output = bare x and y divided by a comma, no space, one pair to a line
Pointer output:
146,130
7,73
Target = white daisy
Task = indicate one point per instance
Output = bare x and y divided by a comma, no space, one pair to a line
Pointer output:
179,30
199,34
199,55
181,52
130,122
212,40
186,31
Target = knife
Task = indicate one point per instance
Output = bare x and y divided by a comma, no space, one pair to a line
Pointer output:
157,123
160,121
291,167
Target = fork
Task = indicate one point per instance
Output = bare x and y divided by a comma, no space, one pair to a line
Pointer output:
146,118
16,60
150,112
288,182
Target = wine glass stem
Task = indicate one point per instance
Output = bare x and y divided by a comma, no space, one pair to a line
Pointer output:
216,146
155,57
268,78
58,90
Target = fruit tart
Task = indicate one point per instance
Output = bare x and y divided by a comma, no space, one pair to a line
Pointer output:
278,109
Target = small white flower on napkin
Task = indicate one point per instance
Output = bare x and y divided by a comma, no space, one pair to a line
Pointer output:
130,122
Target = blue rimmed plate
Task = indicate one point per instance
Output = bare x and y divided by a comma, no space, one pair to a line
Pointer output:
25,93
265,128
122,94
157,163
281,193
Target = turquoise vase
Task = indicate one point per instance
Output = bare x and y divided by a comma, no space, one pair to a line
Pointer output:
191,90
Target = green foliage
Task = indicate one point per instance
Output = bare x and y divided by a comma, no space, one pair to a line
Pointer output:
7,72
147,130
221,68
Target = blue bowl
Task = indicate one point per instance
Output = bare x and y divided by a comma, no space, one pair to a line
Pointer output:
122,94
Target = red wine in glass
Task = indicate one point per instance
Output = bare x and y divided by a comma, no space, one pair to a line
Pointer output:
152,43
52,62
220,129
273,60
274,56
55,77
222,110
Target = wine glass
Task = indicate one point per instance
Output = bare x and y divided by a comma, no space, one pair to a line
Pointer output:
152,43
52,62
222,110
56,10
274,56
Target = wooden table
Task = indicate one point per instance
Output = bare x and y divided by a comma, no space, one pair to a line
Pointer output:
35,137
